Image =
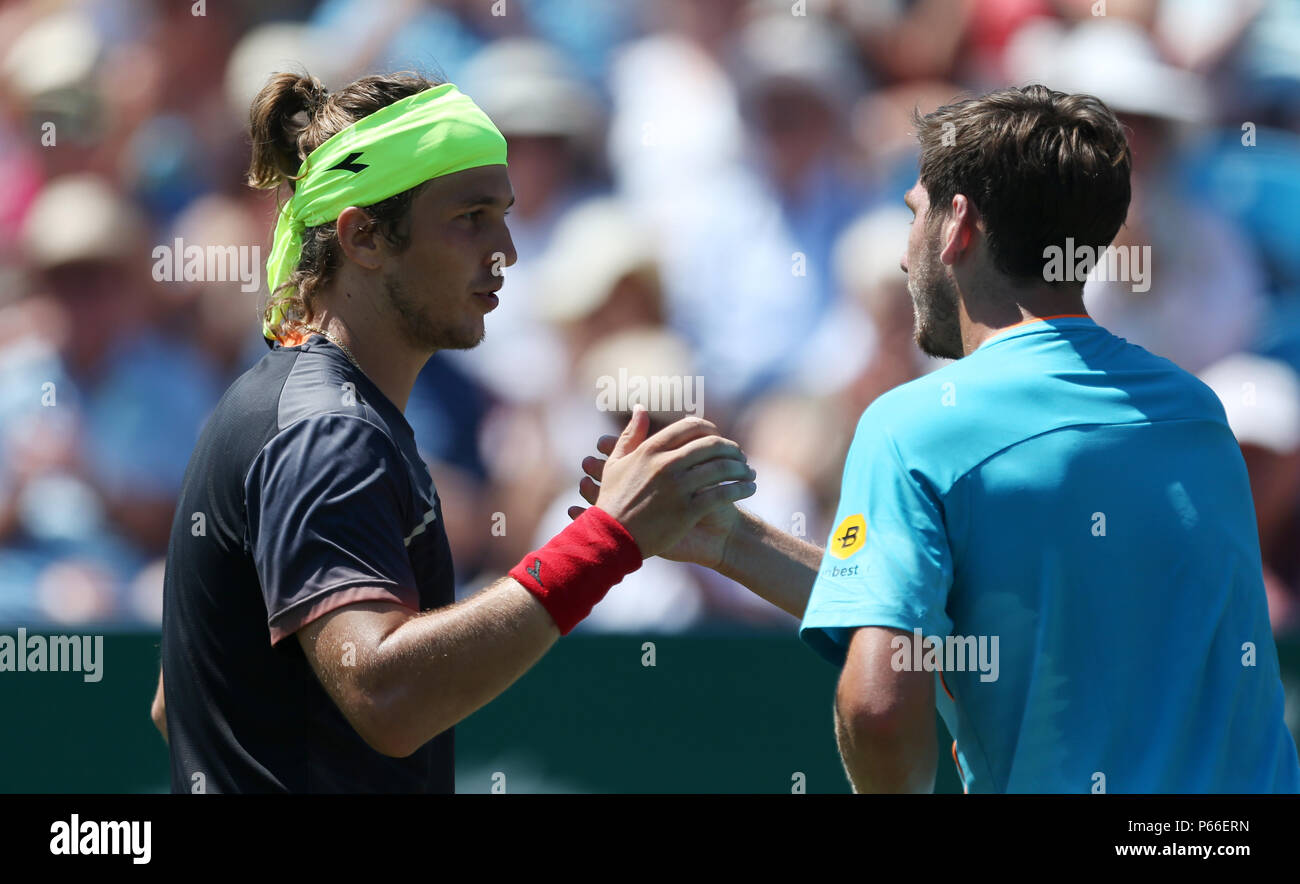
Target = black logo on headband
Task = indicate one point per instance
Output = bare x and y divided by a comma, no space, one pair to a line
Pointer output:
350,164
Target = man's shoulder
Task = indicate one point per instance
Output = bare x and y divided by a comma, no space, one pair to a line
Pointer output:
1156,387
317,387
925,413
293,400
954,418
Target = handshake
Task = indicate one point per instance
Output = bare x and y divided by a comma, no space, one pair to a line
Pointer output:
674,495
675,492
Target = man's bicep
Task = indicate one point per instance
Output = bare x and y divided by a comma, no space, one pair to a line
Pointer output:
343,643
884,716
874,691
342,648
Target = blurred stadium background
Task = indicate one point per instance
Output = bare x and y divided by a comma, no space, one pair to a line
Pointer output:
706,188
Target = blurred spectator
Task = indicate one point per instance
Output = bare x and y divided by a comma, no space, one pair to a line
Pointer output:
746,232
1205,294
597,282
600,275
219,316
709,189
553,124
662,596
103,411
793,443
864,344
1262,400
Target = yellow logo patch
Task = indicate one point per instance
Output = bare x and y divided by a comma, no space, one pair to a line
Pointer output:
849,536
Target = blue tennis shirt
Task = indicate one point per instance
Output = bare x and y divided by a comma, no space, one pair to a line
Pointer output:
1070,516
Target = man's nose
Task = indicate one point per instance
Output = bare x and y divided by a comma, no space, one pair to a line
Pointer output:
506,248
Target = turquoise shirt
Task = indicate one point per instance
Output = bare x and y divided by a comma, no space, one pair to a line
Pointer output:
1070,516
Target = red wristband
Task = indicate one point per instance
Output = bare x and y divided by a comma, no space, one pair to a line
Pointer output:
573,571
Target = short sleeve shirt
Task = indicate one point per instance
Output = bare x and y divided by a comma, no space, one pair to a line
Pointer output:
305,493
1067,521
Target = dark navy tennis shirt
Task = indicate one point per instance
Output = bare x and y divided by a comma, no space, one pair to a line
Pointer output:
305,493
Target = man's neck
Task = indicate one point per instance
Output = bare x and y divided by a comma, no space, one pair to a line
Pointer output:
1024,305
390,364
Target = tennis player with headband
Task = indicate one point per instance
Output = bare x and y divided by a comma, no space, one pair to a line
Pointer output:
311,640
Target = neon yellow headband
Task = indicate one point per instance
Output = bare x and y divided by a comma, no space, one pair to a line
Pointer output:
433,133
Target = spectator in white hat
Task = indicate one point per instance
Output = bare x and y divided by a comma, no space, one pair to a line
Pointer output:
1262,400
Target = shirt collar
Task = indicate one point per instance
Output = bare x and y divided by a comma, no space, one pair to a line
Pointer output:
1039,324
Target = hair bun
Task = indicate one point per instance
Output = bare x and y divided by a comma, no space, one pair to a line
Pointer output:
314,94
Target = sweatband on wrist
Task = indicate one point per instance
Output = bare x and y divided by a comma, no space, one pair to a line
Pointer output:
427,135
575,569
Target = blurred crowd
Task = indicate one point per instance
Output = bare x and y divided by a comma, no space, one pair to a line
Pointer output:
709,190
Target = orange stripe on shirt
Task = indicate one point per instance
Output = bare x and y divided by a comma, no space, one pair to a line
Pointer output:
1043,319
943,682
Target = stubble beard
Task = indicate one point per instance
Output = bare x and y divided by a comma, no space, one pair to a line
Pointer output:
934,300
421,332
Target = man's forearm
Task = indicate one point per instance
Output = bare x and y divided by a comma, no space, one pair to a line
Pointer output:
775,566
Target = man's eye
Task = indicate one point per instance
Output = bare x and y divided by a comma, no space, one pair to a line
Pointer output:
473,216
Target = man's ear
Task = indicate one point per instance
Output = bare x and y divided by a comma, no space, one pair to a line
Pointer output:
359,238
959,230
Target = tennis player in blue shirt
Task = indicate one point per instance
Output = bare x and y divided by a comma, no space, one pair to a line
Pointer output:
1052,538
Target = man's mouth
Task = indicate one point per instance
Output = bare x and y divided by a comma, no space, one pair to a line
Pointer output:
488,296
